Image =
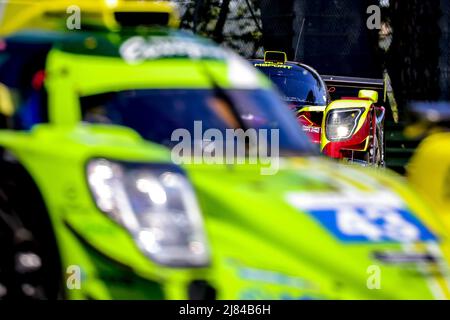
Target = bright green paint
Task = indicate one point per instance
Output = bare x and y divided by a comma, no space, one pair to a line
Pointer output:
251,227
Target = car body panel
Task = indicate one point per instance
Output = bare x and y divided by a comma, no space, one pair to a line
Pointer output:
429,172
360,133
263,237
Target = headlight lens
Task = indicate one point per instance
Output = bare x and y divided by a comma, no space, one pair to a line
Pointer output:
340,124
156,204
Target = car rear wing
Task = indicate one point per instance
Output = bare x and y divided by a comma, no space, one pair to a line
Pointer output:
54,15
339,87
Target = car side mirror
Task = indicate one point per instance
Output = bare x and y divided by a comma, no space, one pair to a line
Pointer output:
368,94
433,112
424,116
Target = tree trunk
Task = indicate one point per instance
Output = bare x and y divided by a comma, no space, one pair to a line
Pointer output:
218,30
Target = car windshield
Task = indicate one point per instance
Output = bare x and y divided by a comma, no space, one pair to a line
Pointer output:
155,114
298,85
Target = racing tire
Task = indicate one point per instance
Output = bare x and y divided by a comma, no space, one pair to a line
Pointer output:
29,260
376,153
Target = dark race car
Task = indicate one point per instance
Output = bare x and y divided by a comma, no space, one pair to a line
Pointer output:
302,88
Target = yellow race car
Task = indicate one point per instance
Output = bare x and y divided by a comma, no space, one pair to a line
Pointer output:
341,114
429,169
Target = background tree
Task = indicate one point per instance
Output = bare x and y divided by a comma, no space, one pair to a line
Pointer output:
413,56
234,23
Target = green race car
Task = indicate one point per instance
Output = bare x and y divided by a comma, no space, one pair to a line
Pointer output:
93,205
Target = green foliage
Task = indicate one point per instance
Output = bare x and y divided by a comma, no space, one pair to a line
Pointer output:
240,31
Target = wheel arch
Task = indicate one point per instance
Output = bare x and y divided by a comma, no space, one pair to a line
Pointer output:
13,169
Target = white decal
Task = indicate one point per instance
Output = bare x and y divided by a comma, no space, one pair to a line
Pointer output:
138,49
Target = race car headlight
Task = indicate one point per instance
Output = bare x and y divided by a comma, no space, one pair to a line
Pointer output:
156,204
340,124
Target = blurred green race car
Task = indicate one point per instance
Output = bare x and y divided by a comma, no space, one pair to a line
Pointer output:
93,205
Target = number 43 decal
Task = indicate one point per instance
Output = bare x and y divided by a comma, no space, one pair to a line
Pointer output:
358,224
